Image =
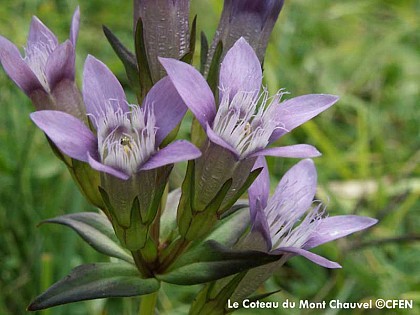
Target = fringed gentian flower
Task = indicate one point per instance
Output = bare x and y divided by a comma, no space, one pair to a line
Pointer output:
290,221
126,145
252,19
46,72
287,224
166,30
244,122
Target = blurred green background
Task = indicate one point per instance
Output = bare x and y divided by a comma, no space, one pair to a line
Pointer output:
366,51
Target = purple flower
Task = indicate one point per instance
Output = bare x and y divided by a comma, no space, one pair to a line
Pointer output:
166,30
46,72
238,124
289,221
128,136
252,19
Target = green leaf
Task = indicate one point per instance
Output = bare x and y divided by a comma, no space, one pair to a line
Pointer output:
145,76
208,302
248,182
213,75
127,57
96,230
231,228
94,281
204,51
211,261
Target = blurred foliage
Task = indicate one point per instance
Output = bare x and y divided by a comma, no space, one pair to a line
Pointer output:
366,51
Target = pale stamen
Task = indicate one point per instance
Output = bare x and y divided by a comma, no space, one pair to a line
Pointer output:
36,57
243,124
126,140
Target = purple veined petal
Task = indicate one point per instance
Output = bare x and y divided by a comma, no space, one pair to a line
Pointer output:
101,88
74,28
16,67
298,186
167,105
106,169
215,138
300,151
240,70
61,64
177,151
319,260
39,33
192,88
260,188
259,222
296,111
332,228
68,133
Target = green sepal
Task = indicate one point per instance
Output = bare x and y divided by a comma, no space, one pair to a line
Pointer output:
203,52
88,181
198,134
230,230
145,76
248,182
127,57
208,302
96,230
213,74
94,281
188,57
203,221
184,212
168,226
210,261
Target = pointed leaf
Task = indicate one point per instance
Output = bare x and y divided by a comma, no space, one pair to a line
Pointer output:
145,76
213,74
252,176
96,230
94,281
211,261
231,229
204,51
127,57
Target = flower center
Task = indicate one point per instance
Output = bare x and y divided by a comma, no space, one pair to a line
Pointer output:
126,139
243,124
36,57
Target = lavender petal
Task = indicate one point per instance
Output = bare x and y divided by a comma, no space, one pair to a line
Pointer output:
296,111
16,67
260,188
177,151
240,70
68,133
61,64
166,104
39,33
101,88
192,88
332,228
106,169
300,151
74,28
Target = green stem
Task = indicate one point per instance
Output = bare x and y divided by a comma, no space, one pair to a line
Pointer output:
148,304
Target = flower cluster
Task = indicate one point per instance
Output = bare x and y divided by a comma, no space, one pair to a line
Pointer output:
122,155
